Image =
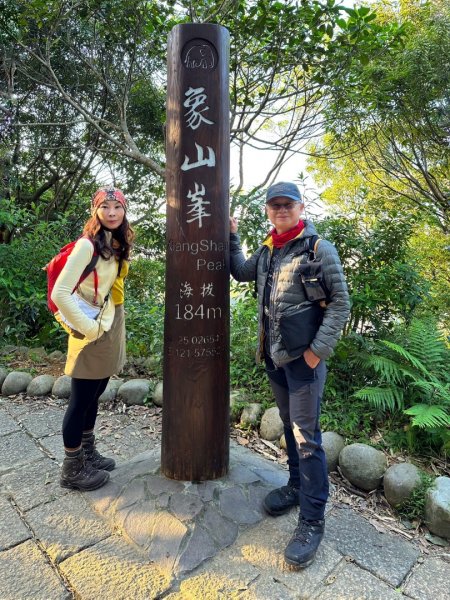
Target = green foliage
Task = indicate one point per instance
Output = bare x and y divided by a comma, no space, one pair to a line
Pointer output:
414,507
23,285
244,372
388,113
383,282
144,302
408,374
340,411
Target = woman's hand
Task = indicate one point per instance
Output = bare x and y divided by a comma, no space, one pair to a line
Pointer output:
311,359
233,225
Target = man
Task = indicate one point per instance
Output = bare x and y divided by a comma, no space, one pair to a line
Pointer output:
303,305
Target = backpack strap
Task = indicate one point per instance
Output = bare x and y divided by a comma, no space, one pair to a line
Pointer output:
313,245
90,268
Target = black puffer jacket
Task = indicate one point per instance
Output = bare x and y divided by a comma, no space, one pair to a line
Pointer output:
295,322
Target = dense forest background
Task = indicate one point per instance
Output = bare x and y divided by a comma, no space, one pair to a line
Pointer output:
362,92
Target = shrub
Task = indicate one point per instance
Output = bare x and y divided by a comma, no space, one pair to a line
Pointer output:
408,374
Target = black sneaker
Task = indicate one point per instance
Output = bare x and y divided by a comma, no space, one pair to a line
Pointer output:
302,548
279,501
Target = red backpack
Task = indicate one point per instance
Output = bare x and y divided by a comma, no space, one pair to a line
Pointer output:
56,265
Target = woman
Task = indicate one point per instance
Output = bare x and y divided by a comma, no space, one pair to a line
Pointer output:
300,323
94,318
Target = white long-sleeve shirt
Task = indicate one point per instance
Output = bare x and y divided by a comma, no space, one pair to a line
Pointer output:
68,278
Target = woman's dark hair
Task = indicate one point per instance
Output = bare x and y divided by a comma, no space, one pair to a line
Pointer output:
122,239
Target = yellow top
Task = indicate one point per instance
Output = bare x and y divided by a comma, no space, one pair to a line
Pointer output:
117,290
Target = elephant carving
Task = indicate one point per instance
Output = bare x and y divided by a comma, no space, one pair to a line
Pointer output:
199,57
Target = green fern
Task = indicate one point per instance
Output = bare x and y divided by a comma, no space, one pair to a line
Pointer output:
428,345
387,368
382,398
415,362
428,416
411,376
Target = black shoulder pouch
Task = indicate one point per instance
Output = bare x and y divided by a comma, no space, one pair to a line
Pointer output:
312,276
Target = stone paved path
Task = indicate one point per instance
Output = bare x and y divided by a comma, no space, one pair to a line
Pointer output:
143,536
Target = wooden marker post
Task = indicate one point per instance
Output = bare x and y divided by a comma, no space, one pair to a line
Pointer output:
195,435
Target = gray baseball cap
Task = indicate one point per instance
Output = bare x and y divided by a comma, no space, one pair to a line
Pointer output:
285,189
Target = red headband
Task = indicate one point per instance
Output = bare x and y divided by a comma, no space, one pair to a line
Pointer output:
109,193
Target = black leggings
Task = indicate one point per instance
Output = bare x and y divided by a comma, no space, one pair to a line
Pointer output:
82,410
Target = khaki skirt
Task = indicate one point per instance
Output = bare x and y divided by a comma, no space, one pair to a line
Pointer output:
99,359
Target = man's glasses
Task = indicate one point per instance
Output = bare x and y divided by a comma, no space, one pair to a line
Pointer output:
277,207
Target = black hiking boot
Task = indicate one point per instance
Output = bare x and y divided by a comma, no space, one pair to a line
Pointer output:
303,545
78,474
279,501
93,456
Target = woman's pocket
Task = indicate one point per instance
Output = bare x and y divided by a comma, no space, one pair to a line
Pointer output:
299,329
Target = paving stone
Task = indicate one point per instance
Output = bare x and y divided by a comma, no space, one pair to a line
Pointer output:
16,409
145,463
7,424
66,525
241,474
128,442
199,548
45,422
254,569
353,583
17,449
158,484
140,522
185,506
167,536
256,494
430,581
131,494
205,489
34,484
216,586
224,531
12,529
102,500
115,570
26,575
53,444
383,554
162,501
275,478
231,498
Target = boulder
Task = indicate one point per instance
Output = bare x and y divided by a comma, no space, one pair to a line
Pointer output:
251,414
41,385
363,466
399,482
22,351
135,391
56,355
15,383
3,374
62,387
8,350
437,508
237,396
332,443
110,393
37,353
158,394
151,363
271,427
